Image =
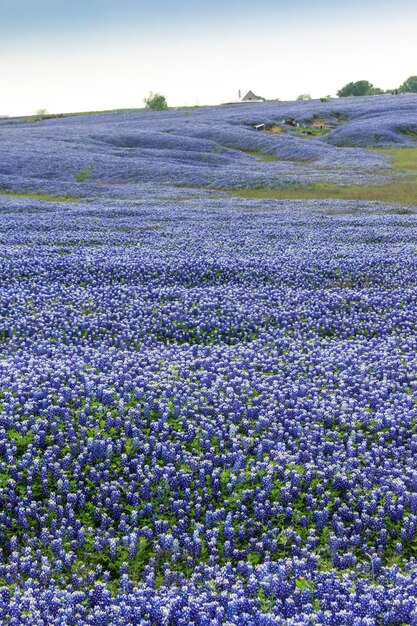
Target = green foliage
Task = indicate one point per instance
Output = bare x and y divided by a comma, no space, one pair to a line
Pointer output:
403,158
303,584
254,558
260,156
44,197
266,603
409,85
314,131
324,98
360,88
39,115
304,96
21,441
155,102
400,189
83,175
141,559
409,132
339,117
4,477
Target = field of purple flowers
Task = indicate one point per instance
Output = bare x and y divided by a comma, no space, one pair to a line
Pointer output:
208,406
142,153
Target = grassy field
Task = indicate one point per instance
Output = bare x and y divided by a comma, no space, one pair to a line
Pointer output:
259,156
402,188
38,196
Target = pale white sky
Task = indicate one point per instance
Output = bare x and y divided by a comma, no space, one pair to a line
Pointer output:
63,63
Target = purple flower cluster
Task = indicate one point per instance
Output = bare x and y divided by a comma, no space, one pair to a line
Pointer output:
265,595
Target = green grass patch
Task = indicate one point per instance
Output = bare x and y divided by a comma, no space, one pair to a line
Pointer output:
44,197
402,189
404,159
259,156
311,131
409,132
340,117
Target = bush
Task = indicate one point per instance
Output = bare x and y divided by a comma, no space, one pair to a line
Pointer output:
376,91
304,96
38,116
155,102
360,88
83,175
41,112
409,85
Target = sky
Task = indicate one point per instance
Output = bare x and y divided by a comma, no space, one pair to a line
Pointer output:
83,55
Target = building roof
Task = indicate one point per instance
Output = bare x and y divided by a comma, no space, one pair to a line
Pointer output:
251,96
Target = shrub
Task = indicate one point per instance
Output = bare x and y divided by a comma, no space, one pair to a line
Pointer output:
155,102
38,116
409,85
41,113
360,88
83,175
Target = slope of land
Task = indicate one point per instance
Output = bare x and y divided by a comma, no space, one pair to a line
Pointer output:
208,410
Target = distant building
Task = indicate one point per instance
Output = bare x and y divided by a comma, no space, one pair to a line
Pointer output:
250,97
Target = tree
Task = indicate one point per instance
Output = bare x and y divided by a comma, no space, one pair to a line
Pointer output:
304,96
409,86
376,91
39,115
360,88
155,102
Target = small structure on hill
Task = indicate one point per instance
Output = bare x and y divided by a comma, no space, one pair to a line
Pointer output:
290,121
251,97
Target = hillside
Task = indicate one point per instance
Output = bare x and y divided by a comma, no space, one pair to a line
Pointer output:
137,152
208,403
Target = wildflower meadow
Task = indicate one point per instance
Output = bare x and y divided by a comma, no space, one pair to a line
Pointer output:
208,407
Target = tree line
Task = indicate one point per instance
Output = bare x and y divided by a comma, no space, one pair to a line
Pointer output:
365,88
